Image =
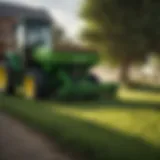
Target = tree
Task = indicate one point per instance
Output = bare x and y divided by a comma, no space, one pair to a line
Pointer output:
118,28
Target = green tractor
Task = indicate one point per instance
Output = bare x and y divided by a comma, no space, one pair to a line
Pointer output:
37,70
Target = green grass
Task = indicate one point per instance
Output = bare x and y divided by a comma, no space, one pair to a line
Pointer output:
143,123
134,95
104,132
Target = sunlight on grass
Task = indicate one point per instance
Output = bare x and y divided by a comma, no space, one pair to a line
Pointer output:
140,123
143,123
133,95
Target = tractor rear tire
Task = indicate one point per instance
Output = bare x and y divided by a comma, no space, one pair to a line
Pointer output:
34,84
7,79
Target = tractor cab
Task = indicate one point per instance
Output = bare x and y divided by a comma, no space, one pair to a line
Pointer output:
38,32
31,35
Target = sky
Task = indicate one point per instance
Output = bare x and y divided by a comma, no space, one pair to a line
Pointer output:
63,11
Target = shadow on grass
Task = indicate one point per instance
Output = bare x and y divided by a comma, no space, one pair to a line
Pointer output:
85,104
84,138
143,87
112,104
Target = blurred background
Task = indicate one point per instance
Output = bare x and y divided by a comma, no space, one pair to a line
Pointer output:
125,34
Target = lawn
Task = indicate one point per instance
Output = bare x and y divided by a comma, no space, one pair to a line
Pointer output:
143,123
104,132
140,122
134,95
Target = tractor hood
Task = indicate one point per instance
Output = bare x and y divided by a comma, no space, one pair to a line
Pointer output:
47,56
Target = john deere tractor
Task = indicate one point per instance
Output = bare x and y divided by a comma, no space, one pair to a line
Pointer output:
33,67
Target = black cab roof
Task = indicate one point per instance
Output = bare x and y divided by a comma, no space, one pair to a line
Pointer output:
22,11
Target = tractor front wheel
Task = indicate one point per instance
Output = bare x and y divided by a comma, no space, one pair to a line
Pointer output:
34,84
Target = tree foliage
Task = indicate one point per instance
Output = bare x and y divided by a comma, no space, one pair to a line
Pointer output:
126,30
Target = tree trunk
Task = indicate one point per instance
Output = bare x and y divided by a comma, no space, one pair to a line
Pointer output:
124,71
